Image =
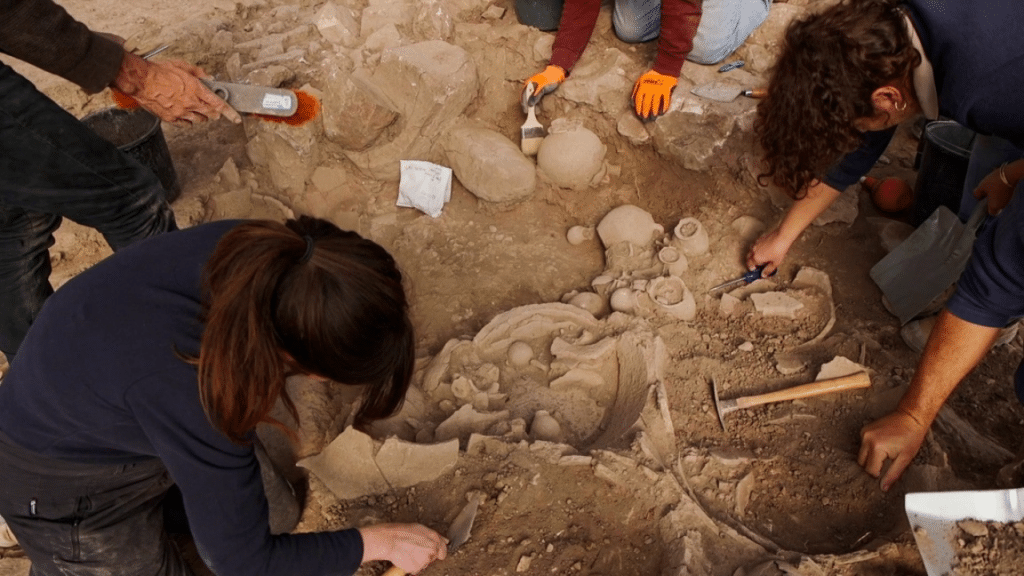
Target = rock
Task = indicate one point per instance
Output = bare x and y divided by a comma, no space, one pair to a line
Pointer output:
693,130
229,176
628,223
746,346
289,152
632,128
571,159
489,165
727,305
433,20
429,84
747,228
380,13
274,75
891,232
844,210
776,304
599,80
385,37
337,25
787,365
353,119
493,12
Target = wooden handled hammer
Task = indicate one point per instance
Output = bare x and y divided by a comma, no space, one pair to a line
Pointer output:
851,382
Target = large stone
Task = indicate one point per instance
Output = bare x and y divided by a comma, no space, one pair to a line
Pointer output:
694,129
489,165
337,25
429,84
288,152
600,80
380,13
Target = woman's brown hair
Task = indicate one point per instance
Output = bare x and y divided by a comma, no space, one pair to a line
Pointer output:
830,65
330,300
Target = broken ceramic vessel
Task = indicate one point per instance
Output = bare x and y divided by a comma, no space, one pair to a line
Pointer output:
690,237
673,297
675,261
628,223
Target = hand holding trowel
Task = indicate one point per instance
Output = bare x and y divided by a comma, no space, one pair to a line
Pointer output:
458,532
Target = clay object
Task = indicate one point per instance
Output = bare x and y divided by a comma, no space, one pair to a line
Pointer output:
579,234
673,297
623,300
571,159
593,303
690,237
545,427
519,353
675,261
628,223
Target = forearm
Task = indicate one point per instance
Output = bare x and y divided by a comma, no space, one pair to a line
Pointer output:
954,348
578,20
805,210
43,34
679,22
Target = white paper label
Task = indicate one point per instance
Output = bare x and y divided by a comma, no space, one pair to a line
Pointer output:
277,101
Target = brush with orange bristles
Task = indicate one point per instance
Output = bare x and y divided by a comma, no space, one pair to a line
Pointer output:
294,108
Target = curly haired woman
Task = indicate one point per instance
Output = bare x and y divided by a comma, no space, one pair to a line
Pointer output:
154,367
846,77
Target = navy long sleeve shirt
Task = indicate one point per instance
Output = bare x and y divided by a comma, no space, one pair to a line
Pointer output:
99,380
977,52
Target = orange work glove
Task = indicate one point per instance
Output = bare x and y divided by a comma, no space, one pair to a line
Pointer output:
652,94
540,84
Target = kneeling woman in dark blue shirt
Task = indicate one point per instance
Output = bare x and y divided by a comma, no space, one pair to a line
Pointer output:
154,367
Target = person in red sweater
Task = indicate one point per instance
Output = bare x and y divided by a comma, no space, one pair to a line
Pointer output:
702,31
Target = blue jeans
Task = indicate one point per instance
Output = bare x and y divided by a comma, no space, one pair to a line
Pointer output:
724,25
53,166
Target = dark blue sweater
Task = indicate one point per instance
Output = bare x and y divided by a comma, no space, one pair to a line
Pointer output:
977,52
97,380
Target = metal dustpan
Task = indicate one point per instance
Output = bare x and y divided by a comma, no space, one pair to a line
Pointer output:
928,261
934,515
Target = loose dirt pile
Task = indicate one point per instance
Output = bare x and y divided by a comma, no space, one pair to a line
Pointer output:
777,492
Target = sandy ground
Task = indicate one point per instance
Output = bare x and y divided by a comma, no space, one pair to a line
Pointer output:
780,484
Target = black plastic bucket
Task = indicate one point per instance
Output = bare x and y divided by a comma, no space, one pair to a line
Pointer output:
137,133
945,152
541,14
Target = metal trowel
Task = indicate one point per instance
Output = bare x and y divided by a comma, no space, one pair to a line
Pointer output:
934,516
458,532
255,99
726,92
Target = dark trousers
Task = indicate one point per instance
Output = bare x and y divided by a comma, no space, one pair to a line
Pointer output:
53,166
88,520
110,520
